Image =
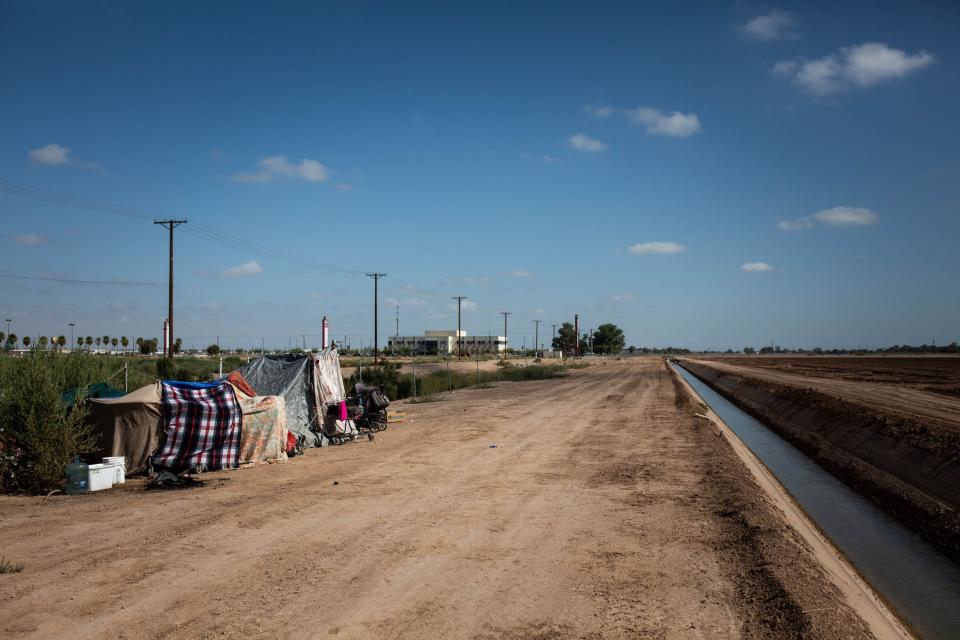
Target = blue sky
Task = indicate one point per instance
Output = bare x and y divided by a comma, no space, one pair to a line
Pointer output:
706,174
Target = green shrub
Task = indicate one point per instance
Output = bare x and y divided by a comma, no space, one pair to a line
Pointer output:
39,435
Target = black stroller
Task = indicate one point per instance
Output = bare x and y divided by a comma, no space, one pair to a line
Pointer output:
367,407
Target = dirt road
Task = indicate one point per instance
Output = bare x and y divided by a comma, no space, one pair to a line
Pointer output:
902,400
606,509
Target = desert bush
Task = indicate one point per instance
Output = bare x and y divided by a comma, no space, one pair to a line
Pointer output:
39,434
10,567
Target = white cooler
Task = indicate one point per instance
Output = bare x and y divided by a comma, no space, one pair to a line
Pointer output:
119,463
101,476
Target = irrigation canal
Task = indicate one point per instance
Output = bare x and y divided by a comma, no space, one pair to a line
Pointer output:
918,582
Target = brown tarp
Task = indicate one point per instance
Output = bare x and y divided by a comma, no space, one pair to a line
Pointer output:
129,426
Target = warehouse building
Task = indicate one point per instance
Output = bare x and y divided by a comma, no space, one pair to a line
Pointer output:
443,343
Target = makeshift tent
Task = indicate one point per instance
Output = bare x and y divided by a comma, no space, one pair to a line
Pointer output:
128,426
309,384
264,433
202,424
95,390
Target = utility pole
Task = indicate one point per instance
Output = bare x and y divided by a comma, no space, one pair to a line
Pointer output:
71,325
397,335
536,336
506,342
170,224
554,337
376,343
459,299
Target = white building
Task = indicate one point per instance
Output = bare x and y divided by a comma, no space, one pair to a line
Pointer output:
443,342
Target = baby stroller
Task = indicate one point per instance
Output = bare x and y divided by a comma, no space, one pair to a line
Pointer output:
367,407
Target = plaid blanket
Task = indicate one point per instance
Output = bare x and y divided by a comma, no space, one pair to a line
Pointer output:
202,424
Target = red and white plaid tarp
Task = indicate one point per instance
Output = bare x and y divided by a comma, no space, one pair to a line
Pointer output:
202,424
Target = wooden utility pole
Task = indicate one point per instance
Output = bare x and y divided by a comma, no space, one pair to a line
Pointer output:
376,343
536,337
459,299
506,341
171,225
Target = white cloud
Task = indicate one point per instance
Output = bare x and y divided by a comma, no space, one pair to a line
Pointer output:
344,186
251,268
655,121
465,306
50,154
771,26
583,142
846,217
519,273
757,267
621,297
599,110
274,167
834,217
859,66
643,248
658,123
798,224
30,239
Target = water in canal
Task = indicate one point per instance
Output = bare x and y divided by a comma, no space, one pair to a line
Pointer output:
920,583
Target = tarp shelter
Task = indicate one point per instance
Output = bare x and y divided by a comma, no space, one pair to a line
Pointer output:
95,390
264,433
309,383
202,424
129,426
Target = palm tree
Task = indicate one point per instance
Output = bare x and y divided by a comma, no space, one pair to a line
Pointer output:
12,341
97,340
106,342
26,342
124,341
43,342
3,337
89,342
61,341
80,342
114,341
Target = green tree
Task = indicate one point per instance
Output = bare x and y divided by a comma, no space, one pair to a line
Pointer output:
749,350
26,342
89,342
12,341
80,342
97,340
608,338
566,338
124,342
113,342
3,337
43,341
61,341
213,349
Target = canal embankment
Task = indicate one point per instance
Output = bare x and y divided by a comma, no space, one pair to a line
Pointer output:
909,467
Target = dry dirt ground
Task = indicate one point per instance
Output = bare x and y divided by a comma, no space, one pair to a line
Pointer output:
606,510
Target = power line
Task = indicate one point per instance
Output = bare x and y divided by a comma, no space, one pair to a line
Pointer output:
197,229
71,281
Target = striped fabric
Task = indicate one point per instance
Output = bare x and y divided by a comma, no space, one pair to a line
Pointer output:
202,425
